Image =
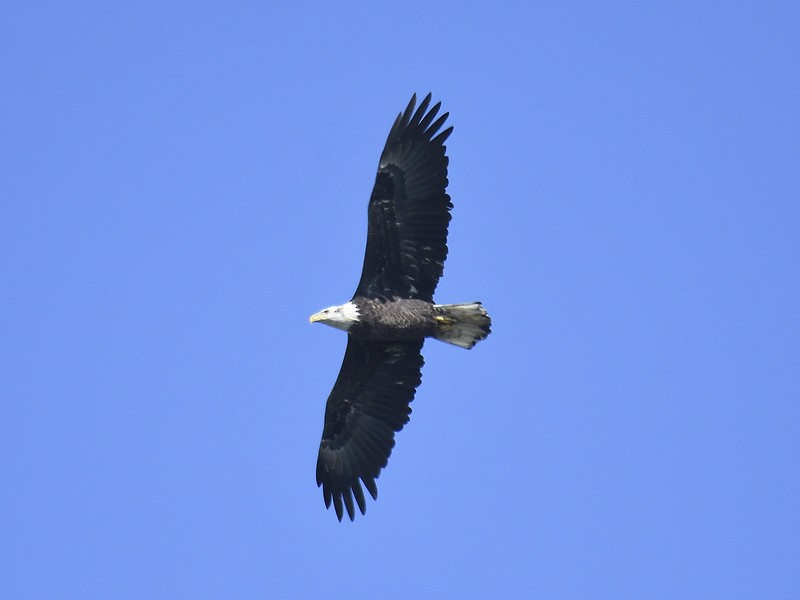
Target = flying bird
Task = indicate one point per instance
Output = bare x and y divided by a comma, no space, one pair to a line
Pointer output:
392,310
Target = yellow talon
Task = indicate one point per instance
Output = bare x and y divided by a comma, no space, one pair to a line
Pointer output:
445,322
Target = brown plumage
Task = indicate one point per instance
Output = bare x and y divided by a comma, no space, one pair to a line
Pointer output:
392,311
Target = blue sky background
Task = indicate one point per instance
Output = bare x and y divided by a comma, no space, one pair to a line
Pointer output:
183,184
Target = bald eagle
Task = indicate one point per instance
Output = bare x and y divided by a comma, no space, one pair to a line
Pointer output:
392,310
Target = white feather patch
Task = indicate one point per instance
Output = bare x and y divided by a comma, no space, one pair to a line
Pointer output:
350,312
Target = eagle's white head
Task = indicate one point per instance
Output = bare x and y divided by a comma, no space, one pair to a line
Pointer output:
340,317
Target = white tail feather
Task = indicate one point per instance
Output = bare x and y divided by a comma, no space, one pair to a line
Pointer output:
463,325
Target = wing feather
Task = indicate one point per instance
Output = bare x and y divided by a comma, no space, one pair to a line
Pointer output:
368,404
409,209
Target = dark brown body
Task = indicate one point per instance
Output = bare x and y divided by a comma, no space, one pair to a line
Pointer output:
395,319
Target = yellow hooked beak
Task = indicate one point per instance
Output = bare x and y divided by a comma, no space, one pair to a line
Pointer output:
315,317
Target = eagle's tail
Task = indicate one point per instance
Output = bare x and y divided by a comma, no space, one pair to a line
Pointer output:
462,324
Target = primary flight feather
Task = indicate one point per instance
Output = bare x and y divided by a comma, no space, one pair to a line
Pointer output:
392,310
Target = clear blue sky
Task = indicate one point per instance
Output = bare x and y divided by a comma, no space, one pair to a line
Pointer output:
183,184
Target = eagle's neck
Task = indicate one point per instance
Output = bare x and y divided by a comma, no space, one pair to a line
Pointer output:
349,315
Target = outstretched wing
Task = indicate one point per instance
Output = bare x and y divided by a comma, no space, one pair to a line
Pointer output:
368,403
409,210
